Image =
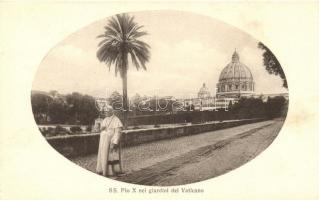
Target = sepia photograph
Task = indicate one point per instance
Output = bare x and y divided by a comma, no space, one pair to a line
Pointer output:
160,98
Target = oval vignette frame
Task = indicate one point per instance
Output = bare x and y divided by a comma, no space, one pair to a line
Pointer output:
205,99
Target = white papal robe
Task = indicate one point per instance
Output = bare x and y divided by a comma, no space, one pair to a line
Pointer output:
111,134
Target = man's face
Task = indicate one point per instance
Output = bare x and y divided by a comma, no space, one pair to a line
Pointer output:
108,113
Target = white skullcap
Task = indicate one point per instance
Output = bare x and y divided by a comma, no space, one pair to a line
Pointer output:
108,108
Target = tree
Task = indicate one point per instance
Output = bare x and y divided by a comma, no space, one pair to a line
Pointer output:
134,103
120,40
73,107
277,106
57,112
88,112
249,108
40,107
80,109
272,64
136,99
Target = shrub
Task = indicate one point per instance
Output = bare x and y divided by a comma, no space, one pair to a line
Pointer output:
43,131
60,130
88,128
277,107
75,129
50,132
136,127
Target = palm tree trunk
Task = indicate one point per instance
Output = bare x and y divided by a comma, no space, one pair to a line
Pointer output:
124,85
125,101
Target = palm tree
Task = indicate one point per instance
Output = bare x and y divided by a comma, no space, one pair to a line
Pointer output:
120,40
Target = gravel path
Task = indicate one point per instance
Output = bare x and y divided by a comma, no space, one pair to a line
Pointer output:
150,154
208,161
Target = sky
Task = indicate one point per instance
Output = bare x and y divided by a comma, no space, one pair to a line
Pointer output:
187,50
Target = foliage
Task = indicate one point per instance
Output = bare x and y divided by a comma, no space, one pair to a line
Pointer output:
136,99
82,108
277,106
40,106
189,107
72,108
249,108
60,130
272,64
120,40
255,107
75,129
88,128
57,112
51,131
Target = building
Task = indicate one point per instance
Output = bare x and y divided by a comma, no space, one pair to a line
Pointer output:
203,101
204,92
235,80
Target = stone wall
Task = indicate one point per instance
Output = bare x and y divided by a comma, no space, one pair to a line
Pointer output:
81,145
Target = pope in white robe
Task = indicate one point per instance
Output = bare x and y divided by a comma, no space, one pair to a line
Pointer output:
110,136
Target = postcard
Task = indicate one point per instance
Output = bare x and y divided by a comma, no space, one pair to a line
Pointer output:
159,100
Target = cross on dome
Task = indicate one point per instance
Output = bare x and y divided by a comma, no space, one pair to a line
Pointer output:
235,57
